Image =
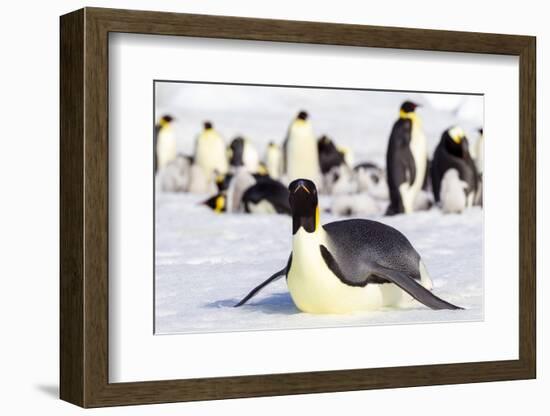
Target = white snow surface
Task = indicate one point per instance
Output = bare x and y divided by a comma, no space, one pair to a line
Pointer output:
207,262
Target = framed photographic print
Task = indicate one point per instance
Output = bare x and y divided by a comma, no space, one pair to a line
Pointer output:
356,203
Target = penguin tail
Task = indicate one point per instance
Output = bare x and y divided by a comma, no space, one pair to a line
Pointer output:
254,291
415,289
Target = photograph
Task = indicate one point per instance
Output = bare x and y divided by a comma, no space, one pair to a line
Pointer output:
281,207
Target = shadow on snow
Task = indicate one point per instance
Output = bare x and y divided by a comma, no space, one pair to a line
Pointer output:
277,303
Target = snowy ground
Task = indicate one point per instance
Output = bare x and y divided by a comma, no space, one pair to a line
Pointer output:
206,262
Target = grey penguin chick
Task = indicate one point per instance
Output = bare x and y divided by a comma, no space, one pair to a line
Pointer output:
453,193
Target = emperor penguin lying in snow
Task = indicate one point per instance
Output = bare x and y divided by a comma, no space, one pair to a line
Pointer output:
348,266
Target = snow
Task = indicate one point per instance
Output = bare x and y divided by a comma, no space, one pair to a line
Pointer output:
207,262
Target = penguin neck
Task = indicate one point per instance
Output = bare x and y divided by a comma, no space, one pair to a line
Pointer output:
304,243
302,236
209,134
410,116
301,127
166,134
165,127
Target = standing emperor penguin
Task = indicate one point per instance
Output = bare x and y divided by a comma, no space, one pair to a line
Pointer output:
243,153
274,160
300,148
452,152
348,266
165,143
210,153
406,160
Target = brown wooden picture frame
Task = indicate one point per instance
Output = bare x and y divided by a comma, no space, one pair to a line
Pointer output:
84,214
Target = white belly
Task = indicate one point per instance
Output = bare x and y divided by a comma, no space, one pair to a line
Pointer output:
211,155
273,163
251,159
166,147
262,207
479,154
302,156
315,289
419,150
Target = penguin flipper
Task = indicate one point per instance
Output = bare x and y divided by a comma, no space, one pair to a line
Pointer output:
253,292
413,288
274,277
404,166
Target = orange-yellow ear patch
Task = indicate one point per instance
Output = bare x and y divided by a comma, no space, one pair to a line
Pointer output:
317,218
457,134
220,204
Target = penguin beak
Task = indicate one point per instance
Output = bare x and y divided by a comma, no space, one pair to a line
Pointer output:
301,187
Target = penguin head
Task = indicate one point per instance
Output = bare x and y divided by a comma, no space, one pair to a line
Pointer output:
456,134
304,205
208,125
409,107
236,152
223,181
217,203
302,115
480,131
455,142
165,120
407,111
324,143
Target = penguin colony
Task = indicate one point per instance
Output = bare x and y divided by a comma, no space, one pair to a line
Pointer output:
411,181
344,266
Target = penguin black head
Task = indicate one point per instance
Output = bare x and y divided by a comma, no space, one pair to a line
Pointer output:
455,142
223,181
480,130
208,125
165,120
304,205
302,115
409,107
217,203
329,155
237,152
